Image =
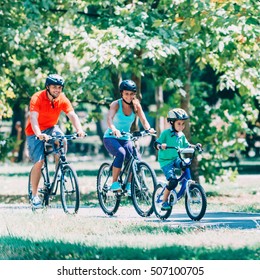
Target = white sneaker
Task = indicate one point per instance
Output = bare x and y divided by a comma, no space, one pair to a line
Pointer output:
36,202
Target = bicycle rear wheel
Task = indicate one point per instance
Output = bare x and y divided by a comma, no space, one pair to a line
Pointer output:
142,188
197,203
69,190
157,203
109,201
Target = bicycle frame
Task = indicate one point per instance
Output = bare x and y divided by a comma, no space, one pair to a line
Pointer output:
184,180
195,197
133,171
52,187
128,165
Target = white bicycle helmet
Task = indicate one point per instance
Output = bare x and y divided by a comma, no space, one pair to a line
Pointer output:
177,114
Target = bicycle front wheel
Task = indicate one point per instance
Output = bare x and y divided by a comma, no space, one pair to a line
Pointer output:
142,188
109,201
69,190
157,203
196,202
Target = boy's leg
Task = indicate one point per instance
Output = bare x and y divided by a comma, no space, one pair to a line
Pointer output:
169,173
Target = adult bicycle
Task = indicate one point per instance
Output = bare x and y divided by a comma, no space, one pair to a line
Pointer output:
143,182
64,177
195,196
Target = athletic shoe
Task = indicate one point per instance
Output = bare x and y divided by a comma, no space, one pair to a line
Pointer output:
115,187
36,202
165,206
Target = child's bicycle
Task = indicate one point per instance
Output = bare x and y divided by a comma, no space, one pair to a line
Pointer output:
64,177
195,196
143,182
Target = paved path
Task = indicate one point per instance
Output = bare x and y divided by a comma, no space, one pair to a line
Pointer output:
231,220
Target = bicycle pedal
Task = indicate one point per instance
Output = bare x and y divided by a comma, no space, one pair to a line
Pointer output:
43,191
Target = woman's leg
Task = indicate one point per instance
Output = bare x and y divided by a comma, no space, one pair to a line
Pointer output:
115,148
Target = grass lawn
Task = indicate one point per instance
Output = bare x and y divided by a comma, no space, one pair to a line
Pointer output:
92,235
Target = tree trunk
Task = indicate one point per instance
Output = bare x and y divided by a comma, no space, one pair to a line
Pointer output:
185,104
159,122
115,81
137,80
17,131
159,104
100,133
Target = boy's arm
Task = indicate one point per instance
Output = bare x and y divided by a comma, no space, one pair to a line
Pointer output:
187,144
158,144
198,146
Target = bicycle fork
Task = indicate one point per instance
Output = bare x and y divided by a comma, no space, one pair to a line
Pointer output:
188,184
137,180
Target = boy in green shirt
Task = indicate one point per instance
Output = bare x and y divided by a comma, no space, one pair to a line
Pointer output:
169,159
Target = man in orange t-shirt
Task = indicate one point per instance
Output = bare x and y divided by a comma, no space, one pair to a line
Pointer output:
45,109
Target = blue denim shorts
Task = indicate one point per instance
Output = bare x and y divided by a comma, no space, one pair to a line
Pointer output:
169,169
36,146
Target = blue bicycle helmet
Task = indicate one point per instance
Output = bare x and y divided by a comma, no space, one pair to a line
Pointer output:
54,79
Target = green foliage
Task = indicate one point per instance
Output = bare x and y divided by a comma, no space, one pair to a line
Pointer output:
168,42
7,144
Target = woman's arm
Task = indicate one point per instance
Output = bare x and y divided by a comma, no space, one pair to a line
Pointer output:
111,113
141,115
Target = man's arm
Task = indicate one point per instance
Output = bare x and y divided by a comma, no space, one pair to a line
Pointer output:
35,126
34,122
76,123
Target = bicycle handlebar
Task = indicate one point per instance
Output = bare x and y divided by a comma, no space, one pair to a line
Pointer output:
136,134
187,150
139,134
61,137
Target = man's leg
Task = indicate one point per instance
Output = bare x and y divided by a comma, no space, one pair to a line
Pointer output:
35,177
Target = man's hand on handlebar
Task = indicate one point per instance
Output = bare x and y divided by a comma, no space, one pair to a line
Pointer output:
81,133
43,137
